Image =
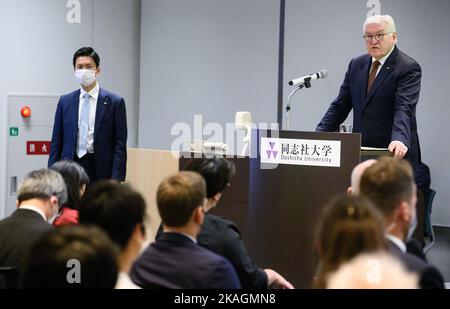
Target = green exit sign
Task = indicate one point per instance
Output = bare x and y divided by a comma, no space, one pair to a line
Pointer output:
13,131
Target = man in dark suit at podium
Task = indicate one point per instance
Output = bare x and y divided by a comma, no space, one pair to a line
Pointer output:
382,87
389,184
91,124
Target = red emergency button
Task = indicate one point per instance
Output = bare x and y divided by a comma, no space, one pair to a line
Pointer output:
25,112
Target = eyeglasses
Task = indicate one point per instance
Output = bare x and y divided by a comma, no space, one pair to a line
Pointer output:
378,37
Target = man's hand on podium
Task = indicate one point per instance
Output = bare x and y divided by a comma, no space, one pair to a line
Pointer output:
398,148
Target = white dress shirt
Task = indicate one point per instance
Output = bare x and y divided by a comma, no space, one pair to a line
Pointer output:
397,242
93,97
35,209
383,60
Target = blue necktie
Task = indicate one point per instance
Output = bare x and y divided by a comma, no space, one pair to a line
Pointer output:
84,126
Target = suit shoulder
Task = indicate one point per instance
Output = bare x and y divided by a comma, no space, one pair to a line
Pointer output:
363,58
111,95
69,96
407,61
220,224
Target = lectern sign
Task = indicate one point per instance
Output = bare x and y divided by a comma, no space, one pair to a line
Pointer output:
301,152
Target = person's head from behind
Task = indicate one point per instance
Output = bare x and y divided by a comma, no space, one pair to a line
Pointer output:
180,200
356,176
86,63
389,184
118,210
349,226
76,180
380,35
74,257
373,271
217,173
44,189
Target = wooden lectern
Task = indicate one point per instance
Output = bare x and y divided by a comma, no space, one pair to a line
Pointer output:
277,209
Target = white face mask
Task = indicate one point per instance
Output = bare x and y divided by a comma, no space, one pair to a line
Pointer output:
85,77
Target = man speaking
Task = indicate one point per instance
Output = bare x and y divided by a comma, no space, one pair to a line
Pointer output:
382,87
91,124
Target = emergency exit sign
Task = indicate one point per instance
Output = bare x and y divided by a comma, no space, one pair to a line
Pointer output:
38,148
13,132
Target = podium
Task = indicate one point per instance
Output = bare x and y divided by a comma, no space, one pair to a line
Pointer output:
277,209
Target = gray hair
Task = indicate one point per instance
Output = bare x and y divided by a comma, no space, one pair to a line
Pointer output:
387,20
42,184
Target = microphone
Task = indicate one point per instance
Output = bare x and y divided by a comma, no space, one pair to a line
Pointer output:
306,79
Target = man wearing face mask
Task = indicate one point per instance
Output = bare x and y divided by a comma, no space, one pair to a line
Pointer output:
39,197
389,183
91,124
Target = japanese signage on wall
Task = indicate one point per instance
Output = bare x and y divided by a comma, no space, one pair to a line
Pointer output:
301,152
38,148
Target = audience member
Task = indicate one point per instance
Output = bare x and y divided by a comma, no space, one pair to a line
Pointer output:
73,257
349,226
120,211
175,260
76,180
389,184
39,197
223,236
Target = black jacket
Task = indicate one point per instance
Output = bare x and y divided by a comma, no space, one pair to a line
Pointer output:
429,276
224,238
18,234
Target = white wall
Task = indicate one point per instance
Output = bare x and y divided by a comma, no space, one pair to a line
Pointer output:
38,45
208,57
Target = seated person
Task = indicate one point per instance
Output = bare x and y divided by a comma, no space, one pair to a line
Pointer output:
349,225
76,180
389,184
175,260
73,257
39,197
222,236
119,211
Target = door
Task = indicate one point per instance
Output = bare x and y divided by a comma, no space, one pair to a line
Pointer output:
28,140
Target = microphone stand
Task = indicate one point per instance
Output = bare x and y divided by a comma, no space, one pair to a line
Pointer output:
306,84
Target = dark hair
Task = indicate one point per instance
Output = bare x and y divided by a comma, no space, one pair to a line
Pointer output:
86,52
178,196
349,226
58,252
388,182
217,173
114,207
72,173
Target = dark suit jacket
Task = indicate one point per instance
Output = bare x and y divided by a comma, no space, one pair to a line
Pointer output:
174,261
18,233
224,238
110,134
388,111
429,276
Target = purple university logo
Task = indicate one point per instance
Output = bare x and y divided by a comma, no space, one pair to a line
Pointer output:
272,151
